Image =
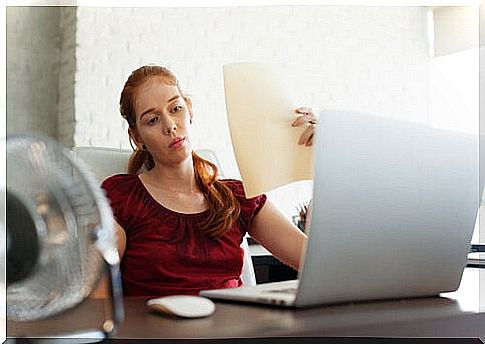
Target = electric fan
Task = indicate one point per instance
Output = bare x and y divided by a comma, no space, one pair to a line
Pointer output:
60,234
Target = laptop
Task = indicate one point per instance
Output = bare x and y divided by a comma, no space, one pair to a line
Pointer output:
393,209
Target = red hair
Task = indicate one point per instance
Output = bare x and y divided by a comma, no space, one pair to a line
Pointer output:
224,208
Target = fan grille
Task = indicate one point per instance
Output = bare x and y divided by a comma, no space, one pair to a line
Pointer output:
71,216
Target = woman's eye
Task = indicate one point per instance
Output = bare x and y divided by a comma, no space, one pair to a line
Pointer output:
153,120
177,108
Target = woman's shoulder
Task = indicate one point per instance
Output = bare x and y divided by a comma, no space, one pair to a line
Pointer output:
249,206
119,180
235,185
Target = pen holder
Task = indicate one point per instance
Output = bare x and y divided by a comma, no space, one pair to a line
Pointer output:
300,219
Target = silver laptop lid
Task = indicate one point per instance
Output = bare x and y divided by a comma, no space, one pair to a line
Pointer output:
394,205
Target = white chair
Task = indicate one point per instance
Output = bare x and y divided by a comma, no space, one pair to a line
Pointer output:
104,162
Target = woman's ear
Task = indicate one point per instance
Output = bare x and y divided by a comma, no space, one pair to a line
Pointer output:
135,137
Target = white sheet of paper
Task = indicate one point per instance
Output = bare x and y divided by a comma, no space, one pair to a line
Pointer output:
260,112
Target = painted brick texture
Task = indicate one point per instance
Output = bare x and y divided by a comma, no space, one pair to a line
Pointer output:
370,59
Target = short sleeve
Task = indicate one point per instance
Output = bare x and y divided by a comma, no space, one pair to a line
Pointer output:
250,207
116,189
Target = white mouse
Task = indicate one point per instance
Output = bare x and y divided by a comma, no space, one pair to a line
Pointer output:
185,306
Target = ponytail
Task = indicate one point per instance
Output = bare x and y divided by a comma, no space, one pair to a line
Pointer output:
140,158
224,208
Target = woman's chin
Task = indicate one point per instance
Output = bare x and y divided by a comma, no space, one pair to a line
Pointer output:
181,154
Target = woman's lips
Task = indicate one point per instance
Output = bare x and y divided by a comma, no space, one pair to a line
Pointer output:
177,143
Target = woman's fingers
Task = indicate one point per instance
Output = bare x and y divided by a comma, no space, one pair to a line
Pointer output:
300,120
306,117
310,141
304,110
307,137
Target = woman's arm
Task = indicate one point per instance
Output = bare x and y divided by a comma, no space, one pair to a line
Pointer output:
120,239
278,235
102,289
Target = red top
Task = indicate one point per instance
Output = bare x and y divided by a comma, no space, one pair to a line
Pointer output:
166,253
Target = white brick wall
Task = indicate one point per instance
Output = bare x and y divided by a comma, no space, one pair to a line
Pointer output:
67,66
370,59
359,58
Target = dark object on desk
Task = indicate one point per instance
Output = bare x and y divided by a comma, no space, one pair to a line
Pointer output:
55,204
477,248
476,260
476,256
269,269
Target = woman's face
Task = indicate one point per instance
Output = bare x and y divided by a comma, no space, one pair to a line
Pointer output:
162,121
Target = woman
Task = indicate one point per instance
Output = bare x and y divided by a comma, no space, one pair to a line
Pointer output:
179,227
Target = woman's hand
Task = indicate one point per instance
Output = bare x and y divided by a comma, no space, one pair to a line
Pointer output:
306,117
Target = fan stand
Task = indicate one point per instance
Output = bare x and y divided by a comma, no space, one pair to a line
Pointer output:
110,325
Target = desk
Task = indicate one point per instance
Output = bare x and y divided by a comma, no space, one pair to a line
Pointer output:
458,314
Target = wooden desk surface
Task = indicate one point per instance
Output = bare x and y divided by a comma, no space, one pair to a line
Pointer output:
458,314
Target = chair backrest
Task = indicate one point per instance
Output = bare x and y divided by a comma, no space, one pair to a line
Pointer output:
104,162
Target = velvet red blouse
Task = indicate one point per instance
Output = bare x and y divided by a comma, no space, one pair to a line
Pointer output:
166,252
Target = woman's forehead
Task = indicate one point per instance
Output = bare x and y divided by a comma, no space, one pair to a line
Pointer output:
154,92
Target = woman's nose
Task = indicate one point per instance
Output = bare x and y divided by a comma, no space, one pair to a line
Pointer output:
171,128
169,125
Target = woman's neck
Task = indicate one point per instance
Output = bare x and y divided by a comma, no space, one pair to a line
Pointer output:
179,178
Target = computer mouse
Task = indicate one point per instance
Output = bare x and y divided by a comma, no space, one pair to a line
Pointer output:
184,306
